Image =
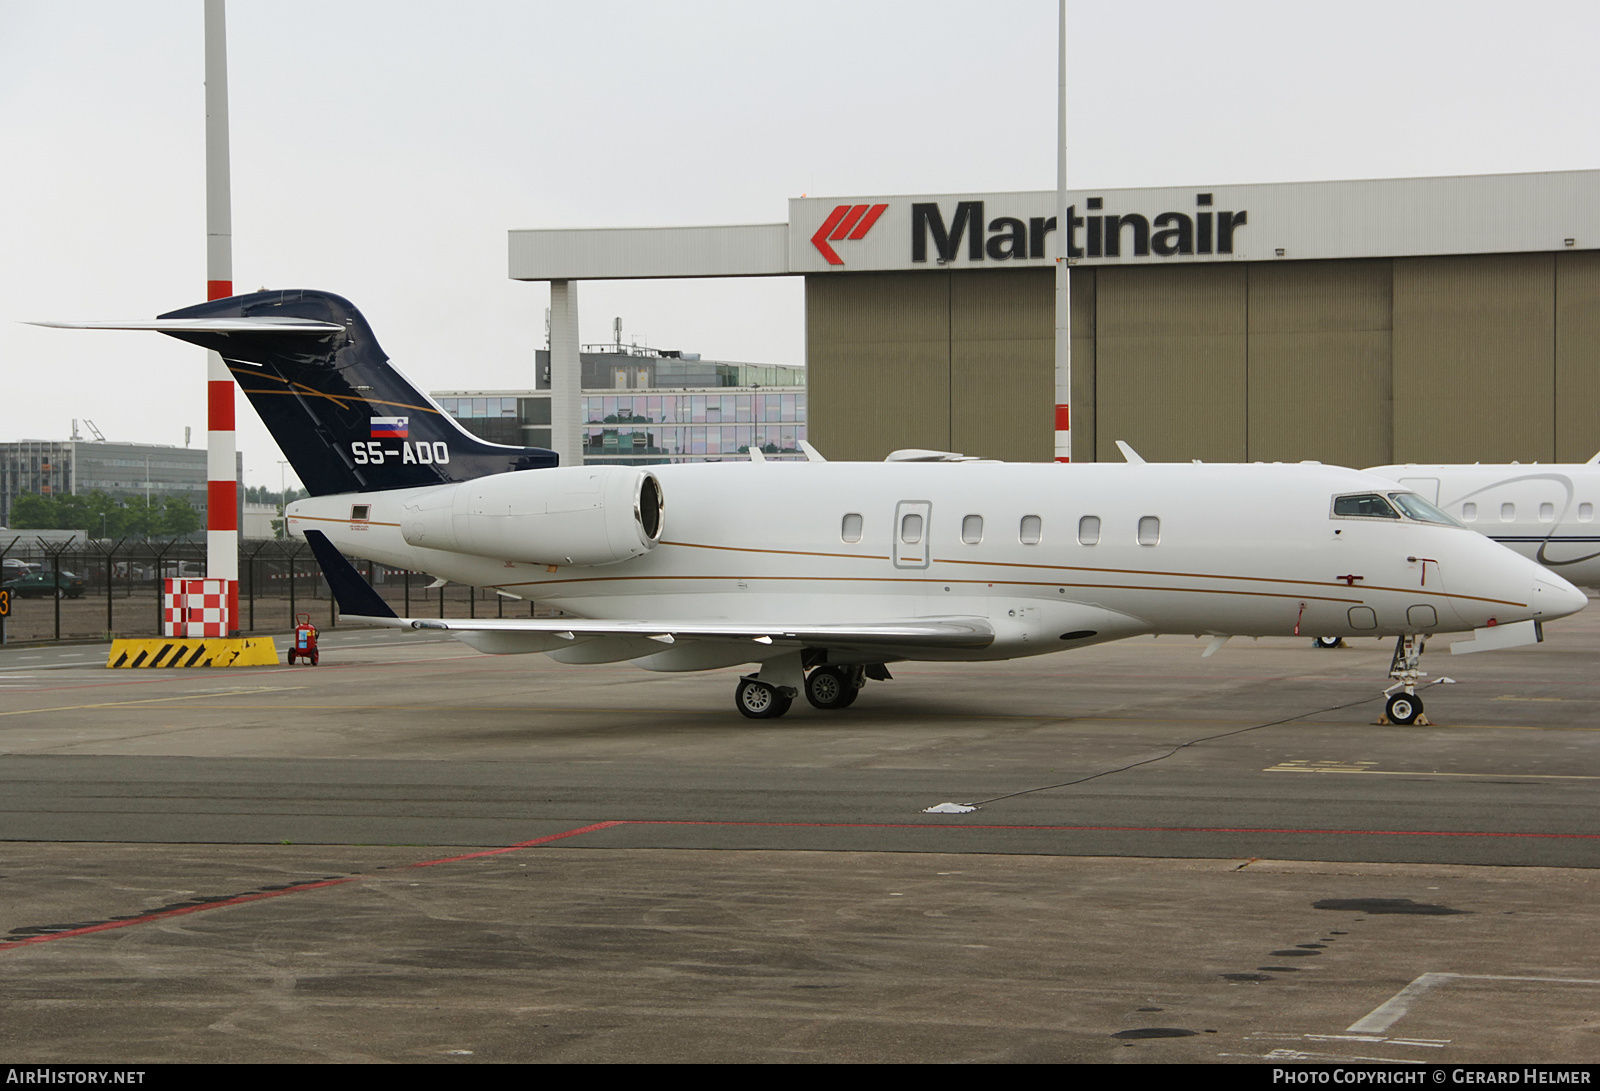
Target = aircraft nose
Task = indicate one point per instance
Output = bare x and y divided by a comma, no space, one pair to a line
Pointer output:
1555,597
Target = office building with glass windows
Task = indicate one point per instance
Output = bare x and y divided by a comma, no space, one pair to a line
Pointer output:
122,471
644,407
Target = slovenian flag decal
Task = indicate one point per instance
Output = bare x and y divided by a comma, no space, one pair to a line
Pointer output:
390,427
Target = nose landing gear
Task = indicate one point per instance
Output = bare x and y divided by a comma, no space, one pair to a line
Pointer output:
1405,707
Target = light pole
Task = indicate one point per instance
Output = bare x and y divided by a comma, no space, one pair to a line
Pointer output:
282,528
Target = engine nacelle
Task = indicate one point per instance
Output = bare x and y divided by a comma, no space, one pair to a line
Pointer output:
577,515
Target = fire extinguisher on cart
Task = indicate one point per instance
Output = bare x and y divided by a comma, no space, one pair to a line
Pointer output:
304,644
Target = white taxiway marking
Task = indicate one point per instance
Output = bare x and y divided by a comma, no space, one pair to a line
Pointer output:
1302,1055
1371,1039
1382,1017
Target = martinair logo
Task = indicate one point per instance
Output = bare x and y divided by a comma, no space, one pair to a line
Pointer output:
850,222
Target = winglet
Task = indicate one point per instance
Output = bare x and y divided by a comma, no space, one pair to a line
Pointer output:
354,595
1128,452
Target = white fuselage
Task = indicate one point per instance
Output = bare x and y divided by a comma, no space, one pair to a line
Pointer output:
1546,513
1250,550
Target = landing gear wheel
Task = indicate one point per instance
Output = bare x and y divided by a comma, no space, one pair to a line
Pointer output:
1404,708
832,687
759,701
1327,642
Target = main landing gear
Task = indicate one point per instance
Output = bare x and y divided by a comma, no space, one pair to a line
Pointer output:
826,687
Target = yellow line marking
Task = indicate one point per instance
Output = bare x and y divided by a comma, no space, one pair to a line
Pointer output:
144,701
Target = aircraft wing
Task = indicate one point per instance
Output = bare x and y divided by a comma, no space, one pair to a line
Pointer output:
944,632
360,603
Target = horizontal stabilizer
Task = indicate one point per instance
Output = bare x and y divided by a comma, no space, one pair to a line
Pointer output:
207,325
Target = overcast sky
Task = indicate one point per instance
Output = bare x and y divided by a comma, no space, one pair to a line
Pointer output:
382,150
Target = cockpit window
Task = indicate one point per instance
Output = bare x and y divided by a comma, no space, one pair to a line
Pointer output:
1368,505
1420,510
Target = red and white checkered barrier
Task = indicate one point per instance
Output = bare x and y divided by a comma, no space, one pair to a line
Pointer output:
196,607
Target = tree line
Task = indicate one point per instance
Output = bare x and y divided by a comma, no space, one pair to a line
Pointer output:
102,516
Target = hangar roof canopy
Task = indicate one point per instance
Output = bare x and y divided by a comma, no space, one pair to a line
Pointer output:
1392,217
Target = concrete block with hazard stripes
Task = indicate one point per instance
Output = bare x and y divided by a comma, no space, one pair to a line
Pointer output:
238,651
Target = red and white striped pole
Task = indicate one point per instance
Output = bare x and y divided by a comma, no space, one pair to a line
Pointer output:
222,488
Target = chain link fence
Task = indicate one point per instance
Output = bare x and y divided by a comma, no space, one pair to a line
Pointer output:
121,589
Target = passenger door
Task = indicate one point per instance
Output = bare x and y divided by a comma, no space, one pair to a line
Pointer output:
912,521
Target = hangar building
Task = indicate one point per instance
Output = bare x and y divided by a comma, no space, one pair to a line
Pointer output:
1354,322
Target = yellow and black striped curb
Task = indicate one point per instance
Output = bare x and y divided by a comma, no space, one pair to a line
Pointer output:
237,651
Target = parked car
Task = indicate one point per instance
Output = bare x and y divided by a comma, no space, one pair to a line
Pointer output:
15,569
45,584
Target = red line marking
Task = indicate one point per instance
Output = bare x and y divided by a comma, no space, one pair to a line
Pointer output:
218,289
147,918
1063,419
244,898
523,844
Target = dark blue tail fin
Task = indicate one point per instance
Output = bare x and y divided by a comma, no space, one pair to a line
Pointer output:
354,595
345,418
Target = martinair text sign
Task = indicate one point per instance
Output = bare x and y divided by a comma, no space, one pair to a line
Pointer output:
1295,221
1291,221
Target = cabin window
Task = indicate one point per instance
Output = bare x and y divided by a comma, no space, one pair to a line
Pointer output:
1508,513
911,528
1149,531
972,529
1547,512
1469,512
1363,506
850,529
1089,530
1031,530
360,511
1585,512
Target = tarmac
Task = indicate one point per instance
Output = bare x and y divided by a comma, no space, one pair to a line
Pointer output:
416,853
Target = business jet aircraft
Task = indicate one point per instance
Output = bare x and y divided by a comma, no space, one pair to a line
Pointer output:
823,573
1543,512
